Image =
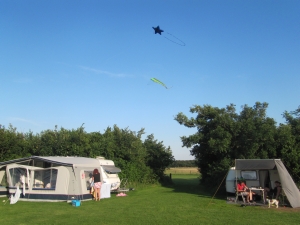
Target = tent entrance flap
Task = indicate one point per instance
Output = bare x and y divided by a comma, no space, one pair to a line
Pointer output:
289,187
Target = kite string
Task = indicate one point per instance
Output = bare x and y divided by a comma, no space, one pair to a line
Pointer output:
182,43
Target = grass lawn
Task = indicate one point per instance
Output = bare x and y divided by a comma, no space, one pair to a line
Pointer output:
185,202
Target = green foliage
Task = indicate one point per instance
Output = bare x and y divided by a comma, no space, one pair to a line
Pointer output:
288,139
224,135
211,145
141,162
138,172
256,133
11,143
158,157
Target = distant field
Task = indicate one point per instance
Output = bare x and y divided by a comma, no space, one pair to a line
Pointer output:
182,170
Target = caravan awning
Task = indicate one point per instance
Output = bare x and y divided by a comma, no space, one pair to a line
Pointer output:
255,164
70,161
288,185
60,160
111,169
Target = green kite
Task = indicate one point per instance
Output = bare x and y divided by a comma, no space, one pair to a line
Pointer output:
159,82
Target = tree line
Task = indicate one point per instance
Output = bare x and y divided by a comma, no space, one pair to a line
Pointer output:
142,161
223,135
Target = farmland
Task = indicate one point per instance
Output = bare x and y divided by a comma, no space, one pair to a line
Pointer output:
182,170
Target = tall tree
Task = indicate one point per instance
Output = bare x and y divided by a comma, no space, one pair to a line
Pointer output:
158,156
223,135
212,143
288,140
255,138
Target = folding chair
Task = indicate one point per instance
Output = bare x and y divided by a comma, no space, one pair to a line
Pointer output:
123,185
239,194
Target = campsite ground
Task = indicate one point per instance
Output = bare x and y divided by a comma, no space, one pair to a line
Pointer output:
184,202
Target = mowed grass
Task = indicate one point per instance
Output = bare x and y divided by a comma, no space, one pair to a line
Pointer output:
182,170
184,202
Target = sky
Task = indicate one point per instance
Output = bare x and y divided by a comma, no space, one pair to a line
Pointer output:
68,62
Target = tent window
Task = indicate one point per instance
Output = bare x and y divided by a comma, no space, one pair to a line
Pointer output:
38,163
249,175
45,179
3,179
17,175
88,178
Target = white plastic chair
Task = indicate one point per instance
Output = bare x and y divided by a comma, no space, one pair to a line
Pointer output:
239,194
123,185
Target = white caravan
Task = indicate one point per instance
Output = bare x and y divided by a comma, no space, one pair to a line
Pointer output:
109,172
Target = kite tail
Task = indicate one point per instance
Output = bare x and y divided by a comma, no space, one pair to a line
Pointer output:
180,42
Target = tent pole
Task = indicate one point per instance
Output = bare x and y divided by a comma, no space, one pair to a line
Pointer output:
28,179
235,173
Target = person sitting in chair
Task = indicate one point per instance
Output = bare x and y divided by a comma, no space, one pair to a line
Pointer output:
243,189
275,192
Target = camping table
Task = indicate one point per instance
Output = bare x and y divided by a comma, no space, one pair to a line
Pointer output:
259,189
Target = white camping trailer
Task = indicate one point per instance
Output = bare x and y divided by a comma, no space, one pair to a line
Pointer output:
109,173
262,173
55,178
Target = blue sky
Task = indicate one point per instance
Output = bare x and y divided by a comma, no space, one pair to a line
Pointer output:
71,62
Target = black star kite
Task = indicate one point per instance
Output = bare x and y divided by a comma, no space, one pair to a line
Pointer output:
157,30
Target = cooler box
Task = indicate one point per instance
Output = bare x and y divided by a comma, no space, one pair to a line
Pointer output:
76,203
